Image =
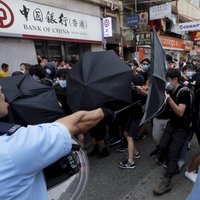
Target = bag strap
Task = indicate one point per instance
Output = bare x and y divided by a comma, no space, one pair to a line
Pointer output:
8,128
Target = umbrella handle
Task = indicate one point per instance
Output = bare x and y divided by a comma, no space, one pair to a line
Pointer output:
127,107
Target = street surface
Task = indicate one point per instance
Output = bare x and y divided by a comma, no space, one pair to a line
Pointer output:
108,182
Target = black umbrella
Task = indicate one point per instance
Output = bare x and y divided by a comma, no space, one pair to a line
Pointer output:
30,102
156,92
98,78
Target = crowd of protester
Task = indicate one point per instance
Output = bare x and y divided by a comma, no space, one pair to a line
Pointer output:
172,128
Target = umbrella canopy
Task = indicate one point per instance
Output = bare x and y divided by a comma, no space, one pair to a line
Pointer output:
30,102
98,78
156,92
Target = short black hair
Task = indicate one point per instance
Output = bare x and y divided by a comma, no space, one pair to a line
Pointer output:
61,73
37,70
174,73
4,65
169,58
146,60
188,66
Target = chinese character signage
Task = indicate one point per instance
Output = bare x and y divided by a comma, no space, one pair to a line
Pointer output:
161,11
107,27
143,38
20,18
137,19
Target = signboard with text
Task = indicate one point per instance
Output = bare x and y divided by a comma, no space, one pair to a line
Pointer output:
20,18
107,27
190,26
160,11
137,19
143,38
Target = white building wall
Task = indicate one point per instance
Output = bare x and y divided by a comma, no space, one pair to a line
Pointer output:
187,8
73,5
16,51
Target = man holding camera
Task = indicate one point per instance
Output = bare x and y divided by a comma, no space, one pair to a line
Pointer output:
176,130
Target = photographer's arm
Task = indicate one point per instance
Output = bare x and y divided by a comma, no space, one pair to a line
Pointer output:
81,121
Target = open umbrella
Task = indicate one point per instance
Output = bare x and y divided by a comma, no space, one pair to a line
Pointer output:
30,102
33,103
156,92
96,79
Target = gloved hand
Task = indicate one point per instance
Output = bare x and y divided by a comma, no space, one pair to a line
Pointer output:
109,115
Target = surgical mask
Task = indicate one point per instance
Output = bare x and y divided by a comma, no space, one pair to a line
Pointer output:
190,74
145,67
169,87
62,83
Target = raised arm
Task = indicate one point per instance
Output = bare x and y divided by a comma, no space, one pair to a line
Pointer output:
81,121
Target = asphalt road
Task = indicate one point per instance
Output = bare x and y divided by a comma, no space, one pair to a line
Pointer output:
108,182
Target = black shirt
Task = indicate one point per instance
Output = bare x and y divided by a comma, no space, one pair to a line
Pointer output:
183,98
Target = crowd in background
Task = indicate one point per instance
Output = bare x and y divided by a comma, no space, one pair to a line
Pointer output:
125,129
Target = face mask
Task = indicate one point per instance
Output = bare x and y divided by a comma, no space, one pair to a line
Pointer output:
145,67
62,83
190,74
168,87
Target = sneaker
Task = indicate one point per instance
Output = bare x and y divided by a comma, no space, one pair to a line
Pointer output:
154,153
126,165
137,155
191,175
163,187
113,142
122,148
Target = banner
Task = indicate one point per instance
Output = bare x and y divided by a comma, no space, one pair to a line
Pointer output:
20,18
107,27
161,11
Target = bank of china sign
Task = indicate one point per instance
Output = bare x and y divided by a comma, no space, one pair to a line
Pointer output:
26,19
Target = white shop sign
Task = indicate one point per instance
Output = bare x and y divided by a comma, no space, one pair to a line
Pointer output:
190,26
161,11
20,18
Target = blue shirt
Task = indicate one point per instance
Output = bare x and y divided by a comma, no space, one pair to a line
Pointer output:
195,193
23,157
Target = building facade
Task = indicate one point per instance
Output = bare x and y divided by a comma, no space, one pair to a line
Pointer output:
54,29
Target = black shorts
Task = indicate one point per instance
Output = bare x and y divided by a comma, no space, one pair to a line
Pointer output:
132,127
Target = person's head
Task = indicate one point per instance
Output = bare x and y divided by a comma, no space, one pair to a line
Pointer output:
61,63
50,70
37,71
133,65
3,105
188,70
24,67
173,79
5,67
61,75
146,64
170,62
